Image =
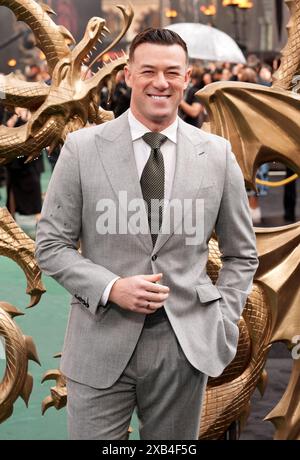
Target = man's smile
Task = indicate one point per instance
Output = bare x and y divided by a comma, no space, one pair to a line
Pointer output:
159,97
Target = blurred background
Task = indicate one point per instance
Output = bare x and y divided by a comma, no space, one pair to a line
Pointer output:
257,26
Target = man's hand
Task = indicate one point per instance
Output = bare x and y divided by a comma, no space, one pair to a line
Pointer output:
139,293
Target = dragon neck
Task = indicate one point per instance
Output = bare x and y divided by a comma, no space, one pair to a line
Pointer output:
107,69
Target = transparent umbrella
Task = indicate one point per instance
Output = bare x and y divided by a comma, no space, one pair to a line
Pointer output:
207,43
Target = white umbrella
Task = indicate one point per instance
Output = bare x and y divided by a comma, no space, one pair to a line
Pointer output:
207,43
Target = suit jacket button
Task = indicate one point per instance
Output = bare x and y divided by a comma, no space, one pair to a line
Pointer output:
154,257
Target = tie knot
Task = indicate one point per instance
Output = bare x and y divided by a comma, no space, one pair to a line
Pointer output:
155,140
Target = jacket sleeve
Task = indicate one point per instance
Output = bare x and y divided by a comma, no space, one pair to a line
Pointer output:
237,242
58,234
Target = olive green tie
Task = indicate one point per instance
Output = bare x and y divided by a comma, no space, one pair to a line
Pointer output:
153,182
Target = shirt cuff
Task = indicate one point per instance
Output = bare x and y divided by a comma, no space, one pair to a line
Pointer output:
105,295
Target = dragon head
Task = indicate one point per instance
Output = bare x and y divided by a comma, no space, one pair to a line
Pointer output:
68,72
72,100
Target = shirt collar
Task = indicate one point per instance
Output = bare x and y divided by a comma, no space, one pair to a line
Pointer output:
138,129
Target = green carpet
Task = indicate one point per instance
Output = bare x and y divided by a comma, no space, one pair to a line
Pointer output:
46,323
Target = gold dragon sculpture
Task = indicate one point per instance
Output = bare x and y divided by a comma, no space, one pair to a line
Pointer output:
68,104
262,124
16,245
71,101
270,313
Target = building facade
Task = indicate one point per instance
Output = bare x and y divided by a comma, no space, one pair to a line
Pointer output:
256,29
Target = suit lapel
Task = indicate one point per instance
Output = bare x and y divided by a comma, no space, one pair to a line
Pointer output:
116,153
190,170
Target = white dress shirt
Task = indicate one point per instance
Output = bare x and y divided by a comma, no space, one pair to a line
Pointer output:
141,154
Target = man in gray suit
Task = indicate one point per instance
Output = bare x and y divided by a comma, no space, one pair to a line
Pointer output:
143,194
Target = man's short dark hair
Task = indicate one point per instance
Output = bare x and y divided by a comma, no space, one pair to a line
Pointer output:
164,37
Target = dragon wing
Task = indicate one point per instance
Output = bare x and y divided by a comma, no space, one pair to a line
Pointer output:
262,123
281,284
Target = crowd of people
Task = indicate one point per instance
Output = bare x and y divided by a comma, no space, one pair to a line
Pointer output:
23,180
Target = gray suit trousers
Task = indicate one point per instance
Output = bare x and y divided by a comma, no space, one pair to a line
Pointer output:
158,380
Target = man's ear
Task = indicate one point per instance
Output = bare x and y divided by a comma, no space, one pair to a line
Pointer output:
187,77
127,75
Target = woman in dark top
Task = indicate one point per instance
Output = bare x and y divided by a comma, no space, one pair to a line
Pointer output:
24,193
191,110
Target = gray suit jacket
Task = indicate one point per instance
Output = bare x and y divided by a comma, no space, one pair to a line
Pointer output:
97,163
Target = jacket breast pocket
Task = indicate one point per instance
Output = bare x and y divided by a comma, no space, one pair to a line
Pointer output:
208,293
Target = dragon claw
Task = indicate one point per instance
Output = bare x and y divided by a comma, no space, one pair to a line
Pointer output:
53,374
27,389
58,397
47,402
31,349
10,309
